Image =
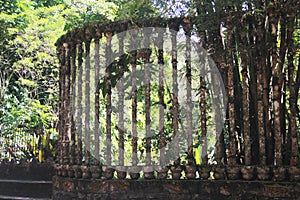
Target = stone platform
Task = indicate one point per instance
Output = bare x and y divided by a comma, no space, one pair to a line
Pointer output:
72,188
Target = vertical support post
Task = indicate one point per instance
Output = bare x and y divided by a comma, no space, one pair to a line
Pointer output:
61,55
108,52
292,84
175,104
202,106
120,88
146,60
217,99
189,103
66,105
202,101
87,137
134,100
162,142
245,86
73,103
276,73
79,105
231,108
97,99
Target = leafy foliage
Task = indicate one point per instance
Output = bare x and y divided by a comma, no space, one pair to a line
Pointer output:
136,9
29,73
79,12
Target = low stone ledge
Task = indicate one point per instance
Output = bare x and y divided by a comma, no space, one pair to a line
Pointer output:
69,188
26,170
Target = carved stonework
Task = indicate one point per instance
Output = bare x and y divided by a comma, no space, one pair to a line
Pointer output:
279,173
190,171
77,171
134,172
162,172
219,172
64,171
248,172
176,172
294,173
204,171
148,172
108,172
263,173
70,170
121,172
233,172
96,171
86,173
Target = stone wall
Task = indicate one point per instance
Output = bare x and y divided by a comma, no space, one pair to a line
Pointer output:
26,179
26,170
70,188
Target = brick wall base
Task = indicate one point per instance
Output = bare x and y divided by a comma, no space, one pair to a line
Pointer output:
66,188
